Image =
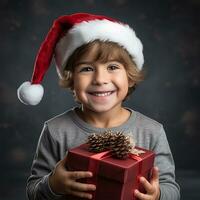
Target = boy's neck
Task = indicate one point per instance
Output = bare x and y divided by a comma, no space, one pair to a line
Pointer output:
108,119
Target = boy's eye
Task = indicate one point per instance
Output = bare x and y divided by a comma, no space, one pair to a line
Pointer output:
113,67
86,69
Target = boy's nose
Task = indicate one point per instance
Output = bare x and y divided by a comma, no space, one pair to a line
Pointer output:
100,77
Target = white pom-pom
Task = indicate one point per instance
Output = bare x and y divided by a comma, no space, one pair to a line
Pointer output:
30,94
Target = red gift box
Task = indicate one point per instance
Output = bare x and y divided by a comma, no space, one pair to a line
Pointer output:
114,178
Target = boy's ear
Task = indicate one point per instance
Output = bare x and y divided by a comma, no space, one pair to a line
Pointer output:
131,83
72,83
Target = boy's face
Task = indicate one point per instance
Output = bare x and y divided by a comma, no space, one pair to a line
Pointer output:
100,87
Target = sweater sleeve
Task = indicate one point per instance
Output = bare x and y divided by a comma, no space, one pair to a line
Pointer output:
44,162
164,161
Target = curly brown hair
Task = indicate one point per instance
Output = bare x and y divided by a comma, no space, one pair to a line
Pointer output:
102,51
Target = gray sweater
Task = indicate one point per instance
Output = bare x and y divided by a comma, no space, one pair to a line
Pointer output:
68,130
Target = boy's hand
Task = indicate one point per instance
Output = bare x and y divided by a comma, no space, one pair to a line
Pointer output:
152,188
65,182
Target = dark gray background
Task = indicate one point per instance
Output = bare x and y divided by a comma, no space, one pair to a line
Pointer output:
170,94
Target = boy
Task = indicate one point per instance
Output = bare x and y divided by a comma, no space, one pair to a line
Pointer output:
100,60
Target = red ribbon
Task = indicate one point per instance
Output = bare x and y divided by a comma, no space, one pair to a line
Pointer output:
135,157
94,166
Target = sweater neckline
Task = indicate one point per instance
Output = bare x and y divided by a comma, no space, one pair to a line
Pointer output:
91,129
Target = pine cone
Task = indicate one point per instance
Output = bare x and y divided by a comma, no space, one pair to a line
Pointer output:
96,143
120,145
107,136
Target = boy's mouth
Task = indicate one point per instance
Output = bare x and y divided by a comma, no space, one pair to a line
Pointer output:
102,93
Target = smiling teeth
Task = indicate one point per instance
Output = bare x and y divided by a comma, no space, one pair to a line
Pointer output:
102,94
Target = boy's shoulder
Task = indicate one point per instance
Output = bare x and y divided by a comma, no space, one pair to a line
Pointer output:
61,120
145,122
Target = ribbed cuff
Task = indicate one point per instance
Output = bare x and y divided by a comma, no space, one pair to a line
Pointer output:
49,193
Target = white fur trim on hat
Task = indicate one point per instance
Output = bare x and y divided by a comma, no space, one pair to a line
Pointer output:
103,30
30,94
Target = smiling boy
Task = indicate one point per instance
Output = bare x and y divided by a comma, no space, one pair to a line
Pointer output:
101,68
101,88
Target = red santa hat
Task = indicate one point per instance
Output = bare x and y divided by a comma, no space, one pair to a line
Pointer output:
65,36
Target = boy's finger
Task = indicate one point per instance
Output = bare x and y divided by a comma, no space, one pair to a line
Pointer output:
81,194
80,174
140,195
147,186
83,187
155,174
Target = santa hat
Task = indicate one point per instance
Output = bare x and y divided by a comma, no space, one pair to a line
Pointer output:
65,36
